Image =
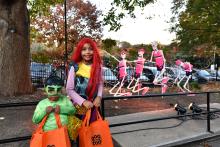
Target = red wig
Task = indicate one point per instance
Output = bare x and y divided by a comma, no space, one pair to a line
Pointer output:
95,73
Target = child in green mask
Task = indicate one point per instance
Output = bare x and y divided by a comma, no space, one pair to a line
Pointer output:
54,103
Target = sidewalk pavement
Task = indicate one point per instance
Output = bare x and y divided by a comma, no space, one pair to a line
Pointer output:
139,135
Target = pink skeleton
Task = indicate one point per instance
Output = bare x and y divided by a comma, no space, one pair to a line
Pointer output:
138,71
122,76
160,64
188,69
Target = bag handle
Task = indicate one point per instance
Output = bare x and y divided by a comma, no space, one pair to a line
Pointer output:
40,126
58,121
98,115
87,118
88,115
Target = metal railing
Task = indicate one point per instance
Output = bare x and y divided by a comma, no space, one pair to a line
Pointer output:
208,111
41,71
164,118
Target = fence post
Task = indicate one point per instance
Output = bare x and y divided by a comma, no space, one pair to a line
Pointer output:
103,108
208,112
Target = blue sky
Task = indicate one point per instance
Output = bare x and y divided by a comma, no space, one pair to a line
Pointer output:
142,30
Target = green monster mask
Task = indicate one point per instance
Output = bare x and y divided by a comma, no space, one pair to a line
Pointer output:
53,90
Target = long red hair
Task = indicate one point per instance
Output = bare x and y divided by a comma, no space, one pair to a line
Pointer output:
95,73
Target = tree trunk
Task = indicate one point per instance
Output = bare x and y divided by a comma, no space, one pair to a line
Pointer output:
14,48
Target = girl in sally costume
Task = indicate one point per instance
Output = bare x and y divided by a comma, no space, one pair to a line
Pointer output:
85,82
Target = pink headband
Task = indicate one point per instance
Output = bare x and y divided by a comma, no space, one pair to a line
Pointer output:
123,52
141,50
178,62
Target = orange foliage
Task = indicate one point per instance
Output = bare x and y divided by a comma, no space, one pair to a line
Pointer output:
82,20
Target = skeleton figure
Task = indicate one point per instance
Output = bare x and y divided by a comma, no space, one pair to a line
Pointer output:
138,71
188,69
122,76
160,64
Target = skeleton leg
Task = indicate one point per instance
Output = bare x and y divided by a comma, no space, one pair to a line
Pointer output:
128,87
164,88
137,85
186,83
164,84
159,77
119,89
178,84
176,80
110,91
155,78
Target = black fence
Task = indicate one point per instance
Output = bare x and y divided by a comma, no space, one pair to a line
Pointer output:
41,71
208,112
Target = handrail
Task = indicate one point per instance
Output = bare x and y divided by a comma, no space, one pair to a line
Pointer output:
8,140
156,95
4,105
16,139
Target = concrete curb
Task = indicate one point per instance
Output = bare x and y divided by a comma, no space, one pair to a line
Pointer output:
139,135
